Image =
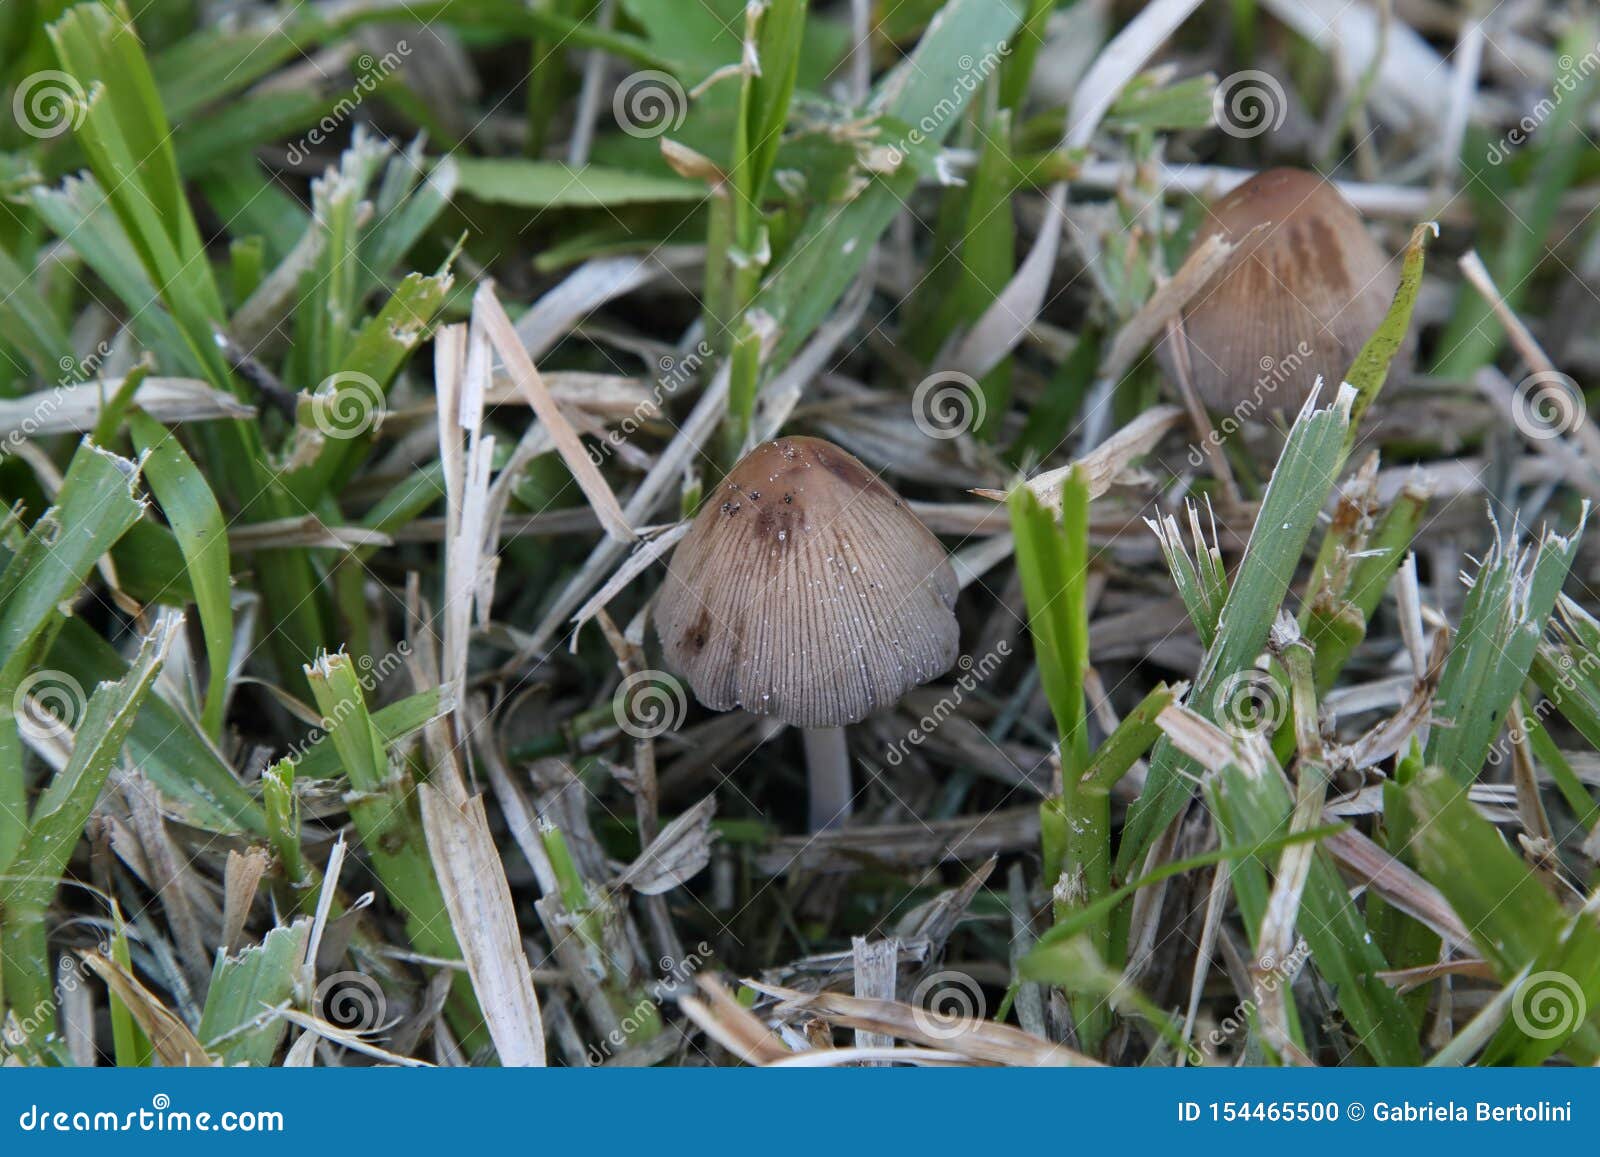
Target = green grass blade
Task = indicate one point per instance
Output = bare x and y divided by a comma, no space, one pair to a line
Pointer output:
56,823
237,1025
1256,807
1516,924
196,522
1294,498
1502,622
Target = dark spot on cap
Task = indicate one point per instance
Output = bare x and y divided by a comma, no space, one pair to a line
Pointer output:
776,523
695,637
847,470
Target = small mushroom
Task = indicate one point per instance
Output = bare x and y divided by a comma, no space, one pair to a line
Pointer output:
807,591
1298,298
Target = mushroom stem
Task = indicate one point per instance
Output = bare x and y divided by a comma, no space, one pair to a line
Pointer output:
827,776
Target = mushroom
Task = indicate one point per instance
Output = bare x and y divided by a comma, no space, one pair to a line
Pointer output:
807,591
1298,298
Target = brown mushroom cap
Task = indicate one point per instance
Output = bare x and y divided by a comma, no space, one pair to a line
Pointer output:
1297,299
807,590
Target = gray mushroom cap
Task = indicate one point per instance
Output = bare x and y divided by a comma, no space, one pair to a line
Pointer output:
1299,297
806,590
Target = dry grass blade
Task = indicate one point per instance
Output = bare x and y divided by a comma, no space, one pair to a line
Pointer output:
491,315
869,1057
1167,303
1397,884
347,1039
304,531
731,1025
978,1040
642,559
174,1044
1102,465
77,406
481,912
877,969
902,845
240,881
678,853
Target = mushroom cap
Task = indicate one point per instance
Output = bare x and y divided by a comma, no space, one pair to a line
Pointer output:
1297,299
807,590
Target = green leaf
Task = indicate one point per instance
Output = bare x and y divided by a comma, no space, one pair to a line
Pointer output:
1295,496
554,185
925,88
1134,736
1371,368
1516,924
94,508
384,809
1075,827
166,744
1149,104
197,523
1502,622
321,760
56,823
237,1024
1256,807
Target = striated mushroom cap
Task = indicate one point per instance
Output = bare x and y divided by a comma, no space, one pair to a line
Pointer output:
1298,299
807,590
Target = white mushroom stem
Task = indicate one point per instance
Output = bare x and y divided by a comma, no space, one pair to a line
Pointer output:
827,776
